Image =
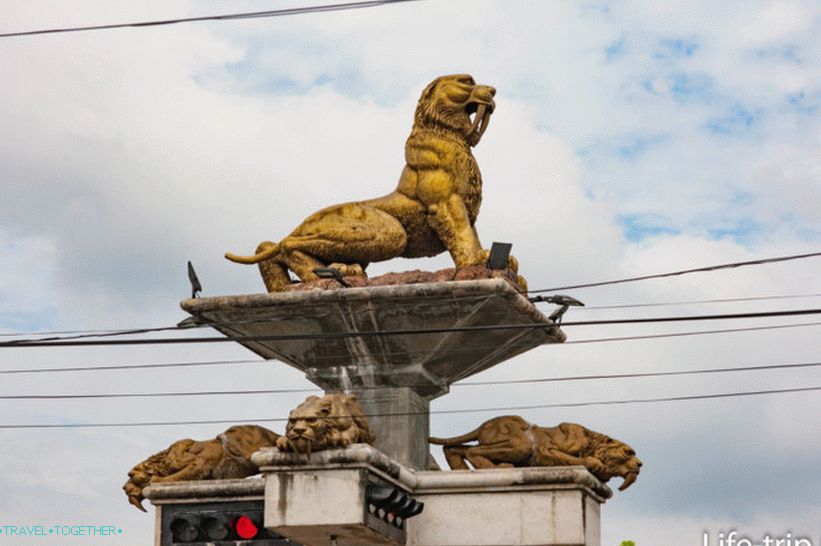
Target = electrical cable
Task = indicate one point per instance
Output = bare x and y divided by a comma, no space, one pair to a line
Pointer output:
385,333
681,272
432,412
634,375
103,332
225,17
257,361
692,302
686,334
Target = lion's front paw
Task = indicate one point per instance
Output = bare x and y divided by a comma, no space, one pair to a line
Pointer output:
283,444
348,270
594,465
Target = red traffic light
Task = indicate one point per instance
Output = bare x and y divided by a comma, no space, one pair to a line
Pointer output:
245,527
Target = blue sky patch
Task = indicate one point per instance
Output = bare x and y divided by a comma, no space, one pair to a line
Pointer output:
614,50
681,86
39,320
786,52
805,103
676,48
634,145
637,227
742,231
738,120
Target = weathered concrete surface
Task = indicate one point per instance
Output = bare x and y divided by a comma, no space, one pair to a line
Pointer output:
311,499
546,506
205,491
425,362
391,374
271,459
550,506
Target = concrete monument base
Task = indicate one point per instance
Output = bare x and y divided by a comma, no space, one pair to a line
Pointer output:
439,333
323,498
552,506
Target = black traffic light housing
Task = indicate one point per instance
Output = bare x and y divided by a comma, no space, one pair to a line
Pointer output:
391,504
223,524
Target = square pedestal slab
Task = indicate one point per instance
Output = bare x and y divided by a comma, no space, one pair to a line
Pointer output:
552,506
310,499
320,327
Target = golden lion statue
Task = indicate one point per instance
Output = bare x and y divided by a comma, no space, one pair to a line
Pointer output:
433,209
334,420
224,457
510,441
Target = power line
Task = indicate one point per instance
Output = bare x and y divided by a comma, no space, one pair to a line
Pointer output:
432,412
692,302
683,272
225,17
460,384
130,366
686,334
232,362
108,333
122,331
384,333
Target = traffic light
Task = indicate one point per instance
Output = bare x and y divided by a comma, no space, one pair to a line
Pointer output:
392,505
218,523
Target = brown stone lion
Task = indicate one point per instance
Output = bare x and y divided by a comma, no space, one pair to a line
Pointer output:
433,209
510,441
224,457
333,420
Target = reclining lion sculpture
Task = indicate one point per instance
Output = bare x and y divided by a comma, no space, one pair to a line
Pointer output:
433,209
333,420
224,457
510,441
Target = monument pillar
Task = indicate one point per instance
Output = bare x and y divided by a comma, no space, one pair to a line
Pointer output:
436,334
399,417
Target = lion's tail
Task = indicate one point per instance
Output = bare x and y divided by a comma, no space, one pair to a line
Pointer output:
264,251
471,436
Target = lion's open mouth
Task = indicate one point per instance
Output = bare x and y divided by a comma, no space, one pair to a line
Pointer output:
480,119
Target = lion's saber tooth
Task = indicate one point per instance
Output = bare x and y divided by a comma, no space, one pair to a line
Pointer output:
485,123
480,114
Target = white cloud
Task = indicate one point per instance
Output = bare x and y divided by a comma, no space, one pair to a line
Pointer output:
127,153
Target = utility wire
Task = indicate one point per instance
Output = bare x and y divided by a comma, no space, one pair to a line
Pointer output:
225,17
257,361
385,333
432,412
363,388
691,333
692,302
682,272
104,332
131,366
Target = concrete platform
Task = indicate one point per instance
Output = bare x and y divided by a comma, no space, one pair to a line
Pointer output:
394,376
425,362
546,506
311,499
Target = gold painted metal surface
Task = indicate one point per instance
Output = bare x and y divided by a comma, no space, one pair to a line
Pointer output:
510,441
335,420
224,457
433,209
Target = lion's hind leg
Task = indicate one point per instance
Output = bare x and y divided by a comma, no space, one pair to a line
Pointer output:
455,456
353,234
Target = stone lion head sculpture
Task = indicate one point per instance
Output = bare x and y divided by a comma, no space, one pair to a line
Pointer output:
617,460
331,421
456,103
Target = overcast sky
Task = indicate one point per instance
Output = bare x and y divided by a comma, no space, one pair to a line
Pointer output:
629,138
